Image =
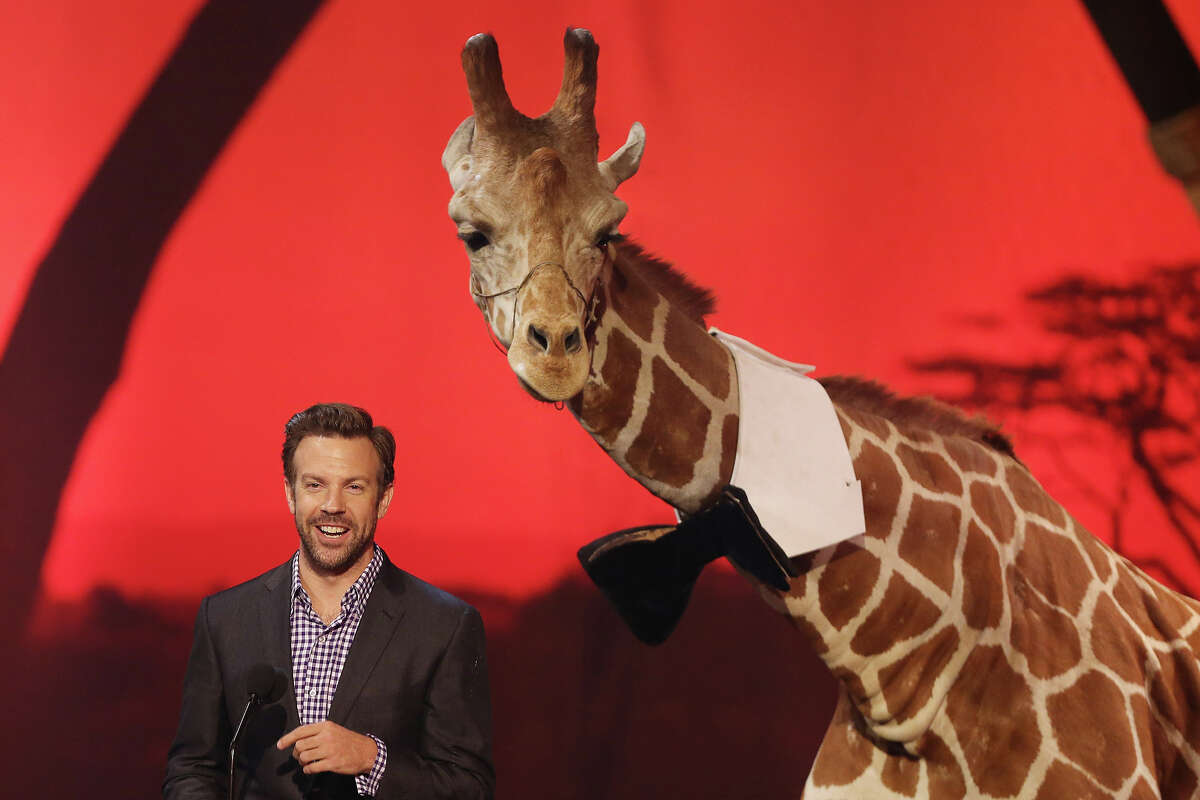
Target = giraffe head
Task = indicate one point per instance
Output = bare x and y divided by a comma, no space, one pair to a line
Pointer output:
536,212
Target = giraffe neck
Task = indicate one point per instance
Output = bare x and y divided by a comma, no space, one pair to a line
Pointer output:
896,613
661,397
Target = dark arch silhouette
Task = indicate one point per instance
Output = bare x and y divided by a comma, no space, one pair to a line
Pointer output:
1145,44
66,347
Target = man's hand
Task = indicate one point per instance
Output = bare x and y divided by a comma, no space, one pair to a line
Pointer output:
328,747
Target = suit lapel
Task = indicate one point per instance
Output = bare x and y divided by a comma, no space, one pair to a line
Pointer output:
275,630
384,610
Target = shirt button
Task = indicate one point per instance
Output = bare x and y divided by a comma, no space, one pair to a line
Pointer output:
312,692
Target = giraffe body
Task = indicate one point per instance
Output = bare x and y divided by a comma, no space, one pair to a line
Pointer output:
985,644
988,645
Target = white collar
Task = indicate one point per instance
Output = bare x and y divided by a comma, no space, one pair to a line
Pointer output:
792,461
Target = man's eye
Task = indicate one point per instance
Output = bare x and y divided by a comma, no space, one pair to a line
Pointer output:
475,240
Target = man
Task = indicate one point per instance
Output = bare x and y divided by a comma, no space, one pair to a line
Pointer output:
386,683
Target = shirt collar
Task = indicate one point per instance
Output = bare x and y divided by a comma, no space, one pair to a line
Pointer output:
356,596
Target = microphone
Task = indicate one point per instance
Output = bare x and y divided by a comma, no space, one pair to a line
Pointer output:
264,685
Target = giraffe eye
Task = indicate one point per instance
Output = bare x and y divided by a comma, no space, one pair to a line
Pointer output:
475,240
603,240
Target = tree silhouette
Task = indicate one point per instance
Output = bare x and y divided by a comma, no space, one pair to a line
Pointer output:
1126,357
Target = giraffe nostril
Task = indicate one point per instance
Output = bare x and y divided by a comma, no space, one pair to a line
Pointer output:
538,338
573,341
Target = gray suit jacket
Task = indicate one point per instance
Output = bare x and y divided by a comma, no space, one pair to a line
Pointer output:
416,677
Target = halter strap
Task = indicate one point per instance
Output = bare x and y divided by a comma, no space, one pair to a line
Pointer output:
589,304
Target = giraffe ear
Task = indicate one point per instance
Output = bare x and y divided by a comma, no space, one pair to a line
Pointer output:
622,164
456,158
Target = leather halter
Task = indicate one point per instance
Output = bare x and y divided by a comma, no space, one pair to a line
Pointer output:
589,303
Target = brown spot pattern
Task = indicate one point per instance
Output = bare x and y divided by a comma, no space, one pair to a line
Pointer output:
929,470
992,509
1064,781
608,403
992,712
908,684
1053,565
902,614
1175,691
1193,641
845,753
1097,552
1032,497
846,429
918,435
853,687
983,591
930,539
901,775
911,413
880,487
1045,635
660,278
970,456
1176,777
1132,600
1092,730
810,633
1114,643
1142,791
632,307
870,422
1146,728
671,441
846,583
618,281
1173,609
698,353
945,778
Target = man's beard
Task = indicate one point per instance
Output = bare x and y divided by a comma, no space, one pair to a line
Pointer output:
338,562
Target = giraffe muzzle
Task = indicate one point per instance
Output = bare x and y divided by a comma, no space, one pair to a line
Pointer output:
551,360
549,353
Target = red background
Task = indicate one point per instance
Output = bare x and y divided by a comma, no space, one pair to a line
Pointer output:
851,180
847,181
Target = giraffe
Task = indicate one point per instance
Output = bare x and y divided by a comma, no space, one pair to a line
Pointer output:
985,645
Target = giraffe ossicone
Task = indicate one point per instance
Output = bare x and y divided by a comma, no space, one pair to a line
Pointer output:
985,644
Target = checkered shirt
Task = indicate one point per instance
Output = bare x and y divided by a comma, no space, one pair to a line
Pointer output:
319,653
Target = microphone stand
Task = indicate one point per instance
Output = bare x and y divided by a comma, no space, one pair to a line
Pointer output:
253,702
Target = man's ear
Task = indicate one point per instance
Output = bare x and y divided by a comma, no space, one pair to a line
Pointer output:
385,500
289,494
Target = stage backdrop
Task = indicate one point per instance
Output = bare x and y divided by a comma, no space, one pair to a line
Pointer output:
215,214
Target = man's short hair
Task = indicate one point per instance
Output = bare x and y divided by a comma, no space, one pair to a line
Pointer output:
345,422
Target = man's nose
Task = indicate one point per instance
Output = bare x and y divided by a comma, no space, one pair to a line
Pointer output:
334,502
